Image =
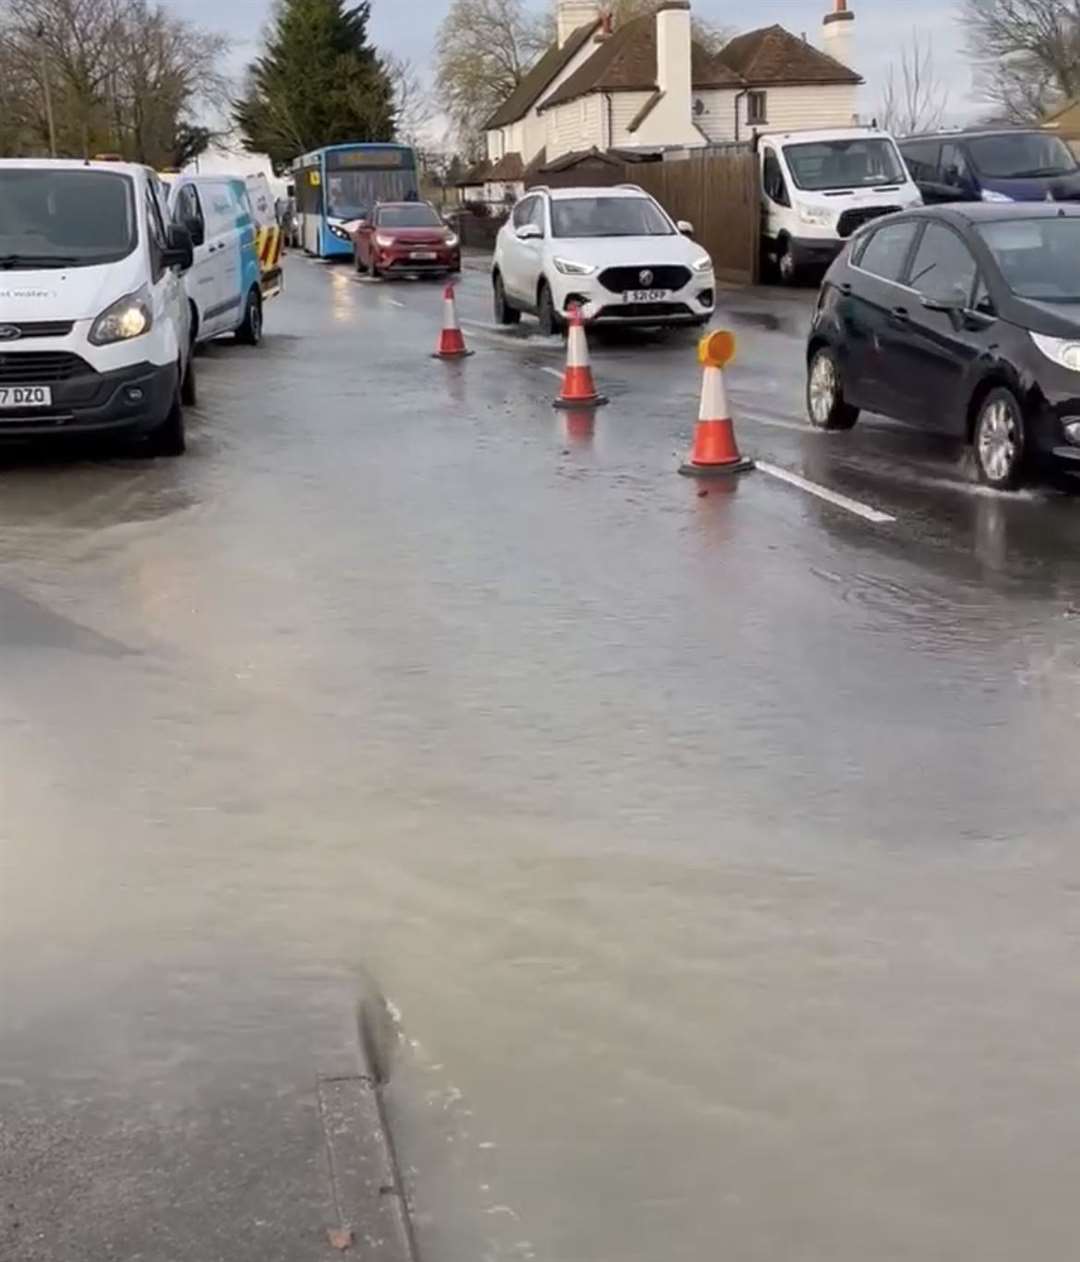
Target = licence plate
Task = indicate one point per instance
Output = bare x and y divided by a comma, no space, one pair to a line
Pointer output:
647,295
423,256
25,397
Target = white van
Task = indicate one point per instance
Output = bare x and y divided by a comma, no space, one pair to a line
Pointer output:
224,285
94,325
818,187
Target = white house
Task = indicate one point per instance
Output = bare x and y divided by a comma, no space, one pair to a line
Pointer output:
648,87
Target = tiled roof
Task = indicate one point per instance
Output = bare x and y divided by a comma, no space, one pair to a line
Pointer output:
509,167
773,55
536,82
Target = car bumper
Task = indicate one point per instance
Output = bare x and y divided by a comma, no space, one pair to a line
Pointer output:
405,262
133,400
693,304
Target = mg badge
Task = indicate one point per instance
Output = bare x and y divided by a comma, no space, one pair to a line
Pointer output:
646,277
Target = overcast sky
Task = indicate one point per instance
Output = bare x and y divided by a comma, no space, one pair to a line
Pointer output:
407,27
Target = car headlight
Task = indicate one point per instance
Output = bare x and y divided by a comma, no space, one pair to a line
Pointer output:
128,317
1062,350
569,268
992,195
820,216
1072,432
339,231
703,264
452,241
383,242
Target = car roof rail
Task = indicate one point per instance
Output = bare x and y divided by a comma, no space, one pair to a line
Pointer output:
634,188
537,188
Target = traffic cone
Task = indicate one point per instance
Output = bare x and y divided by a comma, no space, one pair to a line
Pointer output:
715,450
579,389
451,340
580,424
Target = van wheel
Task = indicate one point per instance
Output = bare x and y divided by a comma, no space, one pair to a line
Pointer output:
825,393
999,440
170,437
786,266
250,332
504,313
189,388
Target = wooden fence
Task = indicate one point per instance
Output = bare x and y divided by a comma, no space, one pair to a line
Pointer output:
718,193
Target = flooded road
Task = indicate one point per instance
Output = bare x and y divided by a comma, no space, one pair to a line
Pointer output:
716,854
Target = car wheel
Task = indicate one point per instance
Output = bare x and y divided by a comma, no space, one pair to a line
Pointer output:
546,313
825,393
504,313
999,439
170,437
250,332
189,388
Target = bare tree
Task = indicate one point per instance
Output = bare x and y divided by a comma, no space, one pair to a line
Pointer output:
414,110
914,99
1027,53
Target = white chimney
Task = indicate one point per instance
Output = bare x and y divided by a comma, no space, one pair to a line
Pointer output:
838,39
673,73
575,13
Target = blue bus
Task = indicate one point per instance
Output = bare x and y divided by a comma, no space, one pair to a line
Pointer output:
341,183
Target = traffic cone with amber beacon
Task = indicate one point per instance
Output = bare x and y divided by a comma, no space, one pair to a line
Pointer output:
451,340
715,453
579,389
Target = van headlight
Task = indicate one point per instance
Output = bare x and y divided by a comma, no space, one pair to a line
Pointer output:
1062,350
819,216
128,317
992,195
703,264
569,267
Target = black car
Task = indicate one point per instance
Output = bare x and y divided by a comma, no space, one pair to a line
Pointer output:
964,319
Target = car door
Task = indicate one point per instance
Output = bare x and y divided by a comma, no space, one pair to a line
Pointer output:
923,160
202,280
777,200
517,261
876,309
955,181
532,256
940,348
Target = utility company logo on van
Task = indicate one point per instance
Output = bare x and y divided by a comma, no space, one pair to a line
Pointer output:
10,332
27,293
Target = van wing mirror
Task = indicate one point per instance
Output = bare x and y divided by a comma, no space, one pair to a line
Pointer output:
954,303
196,230
685,227
529,232
179,251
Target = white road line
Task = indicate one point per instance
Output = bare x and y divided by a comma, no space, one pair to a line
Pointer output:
755,418
553,372
823,493
394,303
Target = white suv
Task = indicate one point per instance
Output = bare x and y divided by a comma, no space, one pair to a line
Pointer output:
612,251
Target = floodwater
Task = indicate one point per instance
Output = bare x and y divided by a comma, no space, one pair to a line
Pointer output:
717,854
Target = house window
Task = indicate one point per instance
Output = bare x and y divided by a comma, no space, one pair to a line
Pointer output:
756,112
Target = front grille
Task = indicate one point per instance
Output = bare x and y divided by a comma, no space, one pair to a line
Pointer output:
638,310
40,368
852,219
36,328
666,276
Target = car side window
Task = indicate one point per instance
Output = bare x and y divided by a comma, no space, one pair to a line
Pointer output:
156,233
523,211
189,208
921,158
943,265
886,250
772,177
536,215
955,171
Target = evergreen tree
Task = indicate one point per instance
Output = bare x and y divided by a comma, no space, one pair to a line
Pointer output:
318,82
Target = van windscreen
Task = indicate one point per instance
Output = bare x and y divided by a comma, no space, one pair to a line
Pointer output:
854,162
64,218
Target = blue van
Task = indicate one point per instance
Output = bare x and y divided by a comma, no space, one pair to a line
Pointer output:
992,165
224,285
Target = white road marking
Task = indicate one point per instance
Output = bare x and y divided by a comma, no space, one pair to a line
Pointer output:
757,419
823,493
553,372
394,303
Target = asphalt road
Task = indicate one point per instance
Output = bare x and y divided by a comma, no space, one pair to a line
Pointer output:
715,853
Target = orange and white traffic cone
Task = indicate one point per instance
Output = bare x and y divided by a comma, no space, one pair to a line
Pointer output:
579,389
451,340
715,450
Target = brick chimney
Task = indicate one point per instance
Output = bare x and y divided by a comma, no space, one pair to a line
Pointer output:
575,13
838,39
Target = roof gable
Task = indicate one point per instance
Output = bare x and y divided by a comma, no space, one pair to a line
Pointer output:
540,77
772,54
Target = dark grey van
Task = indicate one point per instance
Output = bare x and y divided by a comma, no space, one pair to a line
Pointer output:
992,165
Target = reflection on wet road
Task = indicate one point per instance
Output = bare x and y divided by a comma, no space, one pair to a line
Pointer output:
715,852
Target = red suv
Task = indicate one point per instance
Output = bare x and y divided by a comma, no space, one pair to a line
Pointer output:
404,238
